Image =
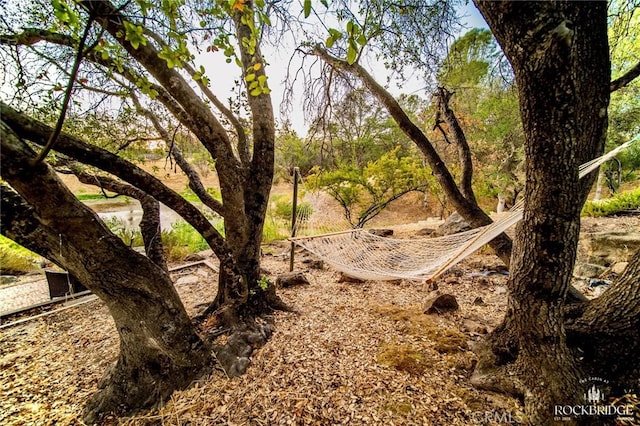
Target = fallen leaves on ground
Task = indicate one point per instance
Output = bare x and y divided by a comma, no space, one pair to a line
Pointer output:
354,354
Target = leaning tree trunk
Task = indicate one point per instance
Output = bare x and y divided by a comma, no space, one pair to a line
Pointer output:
559,54
459,195
159,349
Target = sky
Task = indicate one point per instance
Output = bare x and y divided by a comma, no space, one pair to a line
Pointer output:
222,75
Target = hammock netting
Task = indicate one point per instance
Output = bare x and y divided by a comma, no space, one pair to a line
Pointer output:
366,256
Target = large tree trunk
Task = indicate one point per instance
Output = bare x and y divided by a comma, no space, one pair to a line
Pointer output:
245,179
559,54
159,349
607,331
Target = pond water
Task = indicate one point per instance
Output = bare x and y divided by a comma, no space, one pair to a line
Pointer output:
130,213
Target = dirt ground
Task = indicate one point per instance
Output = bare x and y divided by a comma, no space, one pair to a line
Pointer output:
354,353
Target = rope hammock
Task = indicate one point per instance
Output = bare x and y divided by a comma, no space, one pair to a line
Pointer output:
366,256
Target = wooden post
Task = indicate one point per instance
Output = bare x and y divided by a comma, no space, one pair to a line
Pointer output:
294,215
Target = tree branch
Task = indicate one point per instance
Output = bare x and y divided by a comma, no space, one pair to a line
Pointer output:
67,94
208,129
443,96
150,223
626,78
73,147
243,146
195,183
31,36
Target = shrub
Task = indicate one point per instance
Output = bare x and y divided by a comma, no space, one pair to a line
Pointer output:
620,202
283,209
15,259
182,240
131,237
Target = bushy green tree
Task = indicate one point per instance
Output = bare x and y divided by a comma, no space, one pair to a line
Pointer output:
363,192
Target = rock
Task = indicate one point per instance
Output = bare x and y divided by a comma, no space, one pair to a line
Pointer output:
588,270
8,279
425,232
291,279
187,279
500,290
473,327
344,278
264,271
479,302
594,282
238,367
608,248
381,232
454,224
483,281
456,271
313,263
450,280
195,257
619,268
440,303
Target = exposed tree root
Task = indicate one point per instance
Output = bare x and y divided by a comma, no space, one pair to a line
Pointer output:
134,384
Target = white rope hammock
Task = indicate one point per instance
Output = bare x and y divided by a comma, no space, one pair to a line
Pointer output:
366,256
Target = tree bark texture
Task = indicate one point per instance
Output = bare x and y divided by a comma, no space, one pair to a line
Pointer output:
159,349
559,54
446,114
607,331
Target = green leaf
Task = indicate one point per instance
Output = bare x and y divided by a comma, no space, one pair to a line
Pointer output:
135,34
255,92
307,8
250,77
350,27
352,54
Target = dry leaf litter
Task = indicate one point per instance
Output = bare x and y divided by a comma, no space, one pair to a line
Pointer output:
355,353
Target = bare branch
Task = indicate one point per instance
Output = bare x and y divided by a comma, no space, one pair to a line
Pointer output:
67,94
195,183
626,78
442,97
